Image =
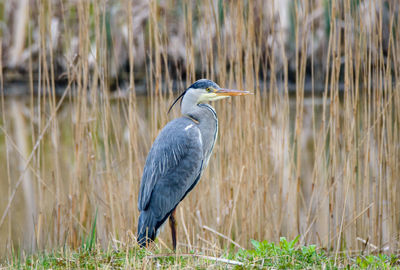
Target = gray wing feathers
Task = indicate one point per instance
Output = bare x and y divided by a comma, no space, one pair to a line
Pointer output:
172,166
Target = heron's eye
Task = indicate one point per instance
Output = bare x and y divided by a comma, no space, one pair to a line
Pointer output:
208,89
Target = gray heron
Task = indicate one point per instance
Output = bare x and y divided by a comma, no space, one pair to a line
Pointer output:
178,158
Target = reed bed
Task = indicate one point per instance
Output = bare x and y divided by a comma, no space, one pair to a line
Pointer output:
324,167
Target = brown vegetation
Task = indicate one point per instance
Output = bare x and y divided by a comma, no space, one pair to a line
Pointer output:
322,167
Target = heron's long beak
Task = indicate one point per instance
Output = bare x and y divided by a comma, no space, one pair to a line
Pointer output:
231,92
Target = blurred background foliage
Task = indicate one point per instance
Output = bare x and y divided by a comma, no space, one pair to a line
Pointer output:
24,23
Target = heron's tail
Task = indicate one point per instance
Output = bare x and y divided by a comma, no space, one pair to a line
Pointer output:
146,228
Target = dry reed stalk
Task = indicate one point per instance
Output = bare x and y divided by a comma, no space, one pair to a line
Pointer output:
8,237
20,21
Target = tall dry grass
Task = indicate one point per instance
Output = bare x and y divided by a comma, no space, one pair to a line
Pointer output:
324,167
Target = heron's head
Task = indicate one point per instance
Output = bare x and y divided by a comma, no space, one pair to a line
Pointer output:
203,91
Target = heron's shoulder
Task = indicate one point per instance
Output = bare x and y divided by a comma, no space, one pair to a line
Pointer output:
181,126
181,129
182,122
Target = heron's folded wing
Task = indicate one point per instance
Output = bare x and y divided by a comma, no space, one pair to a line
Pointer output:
172,166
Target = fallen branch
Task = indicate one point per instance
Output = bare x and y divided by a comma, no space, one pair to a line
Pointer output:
215,259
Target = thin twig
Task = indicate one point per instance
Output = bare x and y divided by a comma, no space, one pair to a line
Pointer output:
223,236
185,229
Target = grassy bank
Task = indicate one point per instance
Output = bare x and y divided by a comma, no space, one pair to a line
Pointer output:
283,255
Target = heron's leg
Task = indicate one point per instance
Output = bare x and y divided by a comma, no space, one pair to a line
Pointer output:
172,224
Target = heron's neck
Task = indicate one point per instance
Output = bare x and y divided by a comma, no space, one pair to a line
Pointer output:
207,120
189,103
203,113
200,112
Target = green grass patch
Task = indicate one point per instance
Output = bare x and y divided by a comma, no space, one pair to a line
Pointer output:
283,255
287,255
